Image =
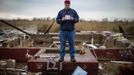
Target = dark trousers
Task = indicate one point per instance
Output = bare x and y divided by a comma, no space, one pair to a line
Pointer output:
64,37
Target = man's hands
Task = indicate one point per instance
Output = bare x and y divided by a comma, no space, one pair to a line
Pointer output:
71,18
67,17
63,19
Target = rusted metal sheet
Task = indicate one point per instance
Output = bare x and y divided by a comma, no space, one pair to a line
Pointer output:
86,62
19,54
116,54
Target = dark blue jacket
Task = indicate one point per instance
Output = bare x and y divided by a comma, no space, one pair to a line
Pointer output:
67,25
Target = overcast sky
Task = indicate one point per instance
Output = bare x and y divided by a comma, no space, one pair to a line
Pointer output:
87,9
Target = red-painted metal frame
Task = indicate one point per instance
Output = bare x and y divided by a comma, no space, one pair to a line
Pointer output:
87,62
113,54
19,54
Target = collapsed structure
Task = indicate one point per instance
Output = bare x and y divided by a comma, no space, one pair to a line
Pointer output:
40,52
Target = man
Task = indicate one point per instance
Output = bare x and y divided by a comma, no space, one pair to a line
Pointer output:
67,17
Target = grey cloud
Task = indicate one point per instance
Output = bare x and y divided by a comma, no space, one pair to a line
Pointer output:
104,5
51,7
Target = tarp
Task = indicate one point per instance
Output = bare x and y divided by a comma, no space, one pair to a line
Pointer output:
79,71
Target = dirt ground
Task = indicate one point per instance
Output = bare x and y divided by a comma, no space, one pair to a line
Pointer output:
109,68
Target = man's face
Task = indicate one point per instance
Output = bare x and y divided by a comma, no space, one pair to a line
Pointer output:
67,5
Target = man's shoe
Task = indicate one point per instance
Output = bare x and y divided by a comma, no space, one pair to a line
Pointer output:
73,60
61,60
